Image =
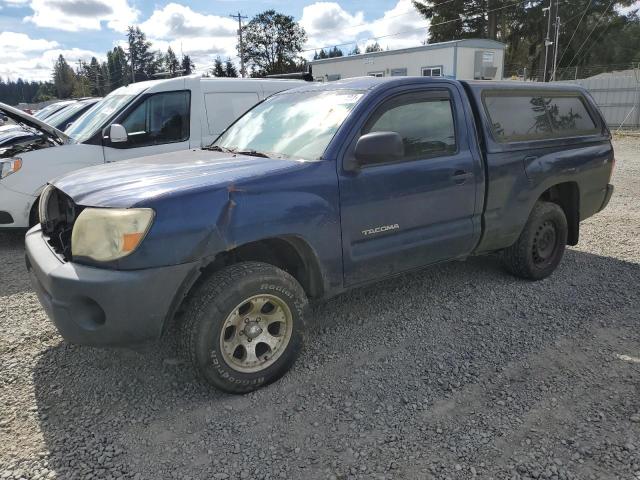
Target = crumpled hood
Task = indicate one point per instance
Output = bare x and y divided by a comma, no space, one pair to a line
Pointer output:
131,182
31,121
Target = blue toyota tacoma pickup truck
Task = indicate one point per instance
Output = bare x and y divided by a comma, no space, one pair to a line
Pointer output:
312,192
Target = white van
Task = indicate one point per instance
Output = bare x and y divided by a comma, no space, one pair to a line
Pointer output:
142,119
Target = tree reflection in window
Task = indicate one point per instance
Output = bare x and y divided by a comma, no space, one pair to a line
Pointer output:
525,117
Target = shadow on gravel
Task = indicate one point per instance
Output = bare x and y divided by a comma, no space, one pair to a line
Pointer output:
13,272
91,400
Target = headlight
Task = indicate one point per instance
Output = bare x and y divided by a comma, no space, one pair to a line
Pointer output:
43,214
7,167
105,234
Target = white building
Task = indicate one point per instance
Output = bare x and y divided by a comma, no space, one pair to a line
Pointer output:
462,59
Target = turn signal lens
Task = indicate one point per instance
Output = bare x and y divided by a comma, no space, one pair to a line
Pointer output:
7,167
106,234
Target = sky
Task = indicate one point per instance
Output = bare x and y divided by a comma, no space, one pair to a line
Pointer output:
34,32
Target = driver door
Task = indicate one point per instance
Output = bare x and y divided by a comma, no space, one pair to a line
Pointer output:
158,124
405,213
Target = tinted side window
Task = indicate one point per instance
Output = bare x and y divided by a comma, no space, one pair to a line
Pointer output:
569,116
161,118
537,117
424,122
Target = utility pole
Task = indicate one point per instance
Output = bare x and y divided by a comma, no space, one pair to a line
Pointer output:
133,71
556,48
547,40
240,17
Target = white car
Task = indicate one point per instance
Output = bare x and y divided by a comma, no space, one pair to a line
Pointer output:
141,119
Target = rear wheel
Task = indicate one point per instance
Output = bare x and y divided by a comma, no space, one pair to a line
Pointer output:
243,326
540,246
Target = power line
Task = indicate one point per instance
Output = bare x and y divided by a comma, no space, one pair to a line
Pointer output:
574,32
591,32
350,27
459,19
593,44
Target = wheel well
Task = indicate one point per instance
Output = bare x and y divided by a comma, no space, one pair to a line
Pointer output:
567,195
290,254
33,213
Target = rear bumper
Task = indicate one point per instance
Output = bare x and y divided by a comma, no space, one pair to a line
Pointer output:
93,306
607,197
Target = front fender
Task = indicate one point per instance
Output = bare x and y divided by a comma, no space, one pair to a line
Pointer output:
201,224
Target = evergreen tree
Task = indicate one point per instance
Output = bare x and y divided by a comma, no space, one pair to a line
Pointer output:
591,34
230,69
218,68
144,61
171,63
373,47
187,65
335,52
119,71
63,78
355,51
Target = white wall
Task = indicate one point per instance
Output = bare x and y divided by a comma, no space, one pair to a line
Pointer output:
362,65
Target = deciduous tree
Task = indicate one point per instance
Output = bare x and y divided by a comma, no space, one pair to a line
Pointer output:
272,43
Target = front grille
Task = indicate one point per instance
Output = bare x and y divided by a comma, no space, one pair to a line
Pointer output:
58,212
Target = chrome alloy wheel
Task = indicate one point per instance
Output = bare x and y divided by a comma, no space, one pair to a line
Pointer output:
256,333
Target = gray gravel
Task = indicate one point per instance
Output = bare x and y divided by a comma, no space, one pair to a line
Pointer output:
460,371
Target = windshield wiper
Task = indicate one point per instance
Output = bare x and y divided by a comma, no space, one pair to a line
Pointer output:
218,148
249,152
252,153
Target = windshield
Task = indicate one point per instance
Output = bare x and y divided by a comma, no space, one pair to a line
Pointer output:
298,125
59,119
48,110
85,127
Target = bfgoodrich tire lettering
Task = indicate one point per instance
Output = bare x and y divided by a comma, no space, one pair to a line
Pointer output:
540,246
216,309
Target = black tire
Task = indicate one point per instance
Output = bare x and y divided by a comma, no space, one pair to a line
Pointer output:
215,300
540,246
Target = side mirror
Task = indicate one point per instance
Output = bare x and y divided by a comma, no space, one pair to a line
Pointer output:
379,147
117,133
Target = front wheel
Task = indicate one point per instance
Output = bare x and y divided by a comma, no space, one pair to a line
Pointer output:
243,327
541,245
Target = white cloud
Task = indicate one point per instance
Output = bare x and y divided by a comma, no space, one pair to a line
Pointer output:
328,24
203,37
33,59
176,21
76,15
17,46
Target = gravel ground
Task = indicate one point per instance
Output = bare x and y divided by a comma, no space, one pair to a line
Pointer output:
460,371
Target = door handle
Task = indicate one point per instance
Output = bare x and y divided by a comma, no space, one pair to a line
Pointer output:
461,176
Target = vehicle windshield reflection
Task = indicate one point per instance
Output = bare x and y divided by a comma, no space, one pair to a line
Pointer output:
85,126
293,124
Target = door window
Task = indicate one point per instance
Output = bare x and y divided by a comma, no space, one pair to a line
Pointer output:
161,118
424,121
